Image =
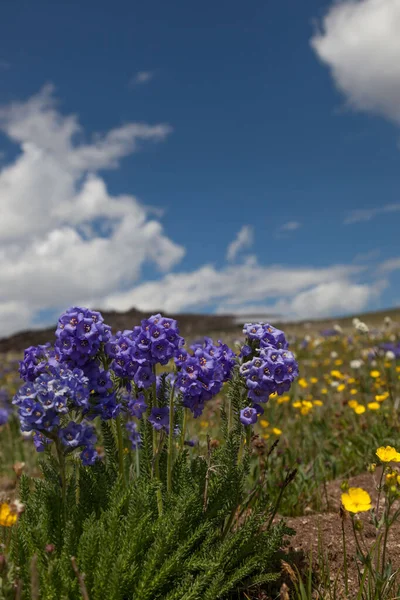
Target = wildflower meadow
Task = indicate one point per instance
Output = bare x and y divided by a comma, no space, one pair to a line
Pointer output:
141,465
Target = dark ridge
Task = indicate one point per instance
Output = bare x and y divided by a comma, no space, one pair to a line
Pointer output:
190,325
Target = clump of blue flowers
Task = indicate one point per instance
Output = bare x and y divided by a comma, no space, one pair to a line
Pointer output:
91,376
46,404
268,367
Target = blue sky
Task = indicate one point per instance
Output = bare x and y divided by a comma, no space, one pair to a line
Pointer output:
267,115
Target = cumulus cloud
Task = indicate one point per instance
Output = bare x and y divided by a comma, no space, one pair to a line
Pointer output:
359,41
63,237
290,291
244,239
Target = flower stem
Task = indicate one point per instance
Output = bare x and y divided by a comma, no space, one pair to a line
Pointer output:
184,427
170,440
346,576
154,404
137,458
229,414
61,462
120,451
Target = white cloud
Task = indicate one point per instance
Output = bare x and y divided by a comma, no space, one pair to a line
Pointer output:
334,297
290,226
244,239
360,42
366,257
392,264
241,288
63,237
142,77
366,214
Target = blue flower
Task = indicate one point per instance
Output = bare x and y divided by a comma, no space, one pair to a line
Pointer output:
159,418
89,456
40,441
137,406
77,434
4,414
248,415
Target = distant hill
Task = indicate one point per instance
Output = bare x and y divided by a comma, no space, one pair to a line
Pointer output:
193,326
190,325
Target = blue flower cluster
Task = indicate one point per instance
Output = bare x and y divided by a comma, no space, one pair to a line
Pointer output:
103,399
135,352
264,335
79,435
95,374
201,374
79,335
272,368
36,361
44,402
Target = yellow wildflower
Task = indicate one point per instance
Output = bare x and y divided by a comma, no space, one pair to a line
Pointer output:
337,374
351,380
324,391
353,403
283,399
297,404
353,392
276,431
204,424
314,380
388,454
391,478
398,369
273,395
381,397
318,403
264,423
266,436
338,362
375,374
359,409
7,516
304,410
341,387
303,382
373,405
356,500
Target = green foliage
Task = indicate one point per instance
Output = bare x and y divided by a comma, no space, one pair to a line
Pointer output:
205,544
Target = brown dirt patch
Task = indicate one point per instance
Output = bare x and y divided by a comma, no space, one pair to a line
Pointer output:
323,532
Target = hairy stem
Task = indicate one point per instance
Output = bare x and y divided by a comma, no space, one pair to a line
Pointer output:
170,440
120,450
184,427
61,462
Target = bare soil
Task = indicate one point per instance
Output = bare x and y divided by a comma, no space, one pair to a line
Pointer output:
323,532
